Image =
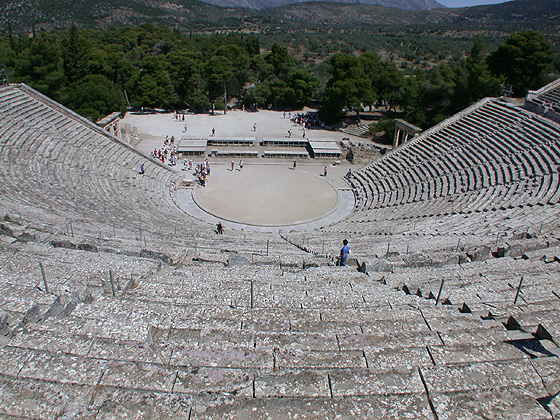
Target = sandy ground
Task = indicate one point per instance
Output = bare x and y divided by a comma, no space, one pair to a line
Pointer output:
265,195
153,127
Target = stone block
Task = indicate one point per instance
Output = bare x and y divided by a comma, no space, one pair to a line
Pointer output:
53,342
233,357
482,336
129,351
405,358
28,398
498,404
297,341
207,380
142,376
63,369
480,376
117,403
476,354
292,383
12,360
291,359
393,340
391,407
548,369
355,382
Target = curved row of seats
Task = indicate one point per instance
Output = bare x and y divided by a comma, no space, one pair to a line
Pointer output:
60,165
547,97
207,341
58,168
495,156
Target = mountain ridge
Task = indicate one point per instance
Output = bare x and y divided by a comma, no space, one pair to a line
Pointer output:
193,15
271,4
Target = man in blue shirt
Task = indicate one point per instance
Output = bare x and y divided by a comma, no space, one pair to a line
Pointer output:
344,253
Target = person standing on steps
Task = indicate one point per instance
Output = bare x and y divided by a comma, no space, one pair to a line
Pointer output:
344,252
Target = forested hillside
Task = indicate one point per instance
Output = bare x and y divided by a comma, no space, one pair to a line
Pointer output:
197,16
265,4
97,72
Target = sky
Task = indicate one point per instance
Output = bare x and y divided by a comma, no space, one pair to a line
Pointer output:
463,3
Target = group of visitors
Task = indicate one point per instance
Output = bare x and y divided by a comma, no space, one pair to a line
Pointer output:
187,165
179,116
202,172
167,152
307,120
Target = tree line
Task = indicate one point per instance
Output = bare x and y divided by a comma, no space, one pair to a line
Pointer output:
96,72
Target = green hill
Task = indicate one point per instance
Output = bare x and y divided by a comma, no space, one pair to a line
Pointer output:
193,15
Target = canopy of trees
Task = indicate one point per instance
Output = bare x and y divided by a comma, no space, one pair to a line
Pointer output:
97,72
522,60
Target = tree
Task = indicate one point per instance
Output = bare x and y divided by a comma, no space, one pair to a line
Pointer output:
74,57
219,75
347,88
95,96
40,65
280,59
186,68
473,80
522,60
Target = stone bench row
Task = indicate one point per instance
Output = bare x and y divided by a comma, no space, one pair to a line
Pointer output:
536,155
58,138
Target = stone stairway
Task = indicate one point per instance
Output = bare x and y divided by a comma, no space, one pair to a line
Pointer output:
358,131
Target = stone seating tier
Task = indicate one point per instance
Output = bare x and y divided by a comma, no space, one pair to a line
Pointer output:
409,175
177,339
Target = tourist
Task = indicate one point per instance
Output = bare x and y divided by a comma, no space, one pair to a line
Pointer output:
240,164
232,165
219,228
141,169
325,171
349,173
289,133
294,165
344,252
255,127
213,132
